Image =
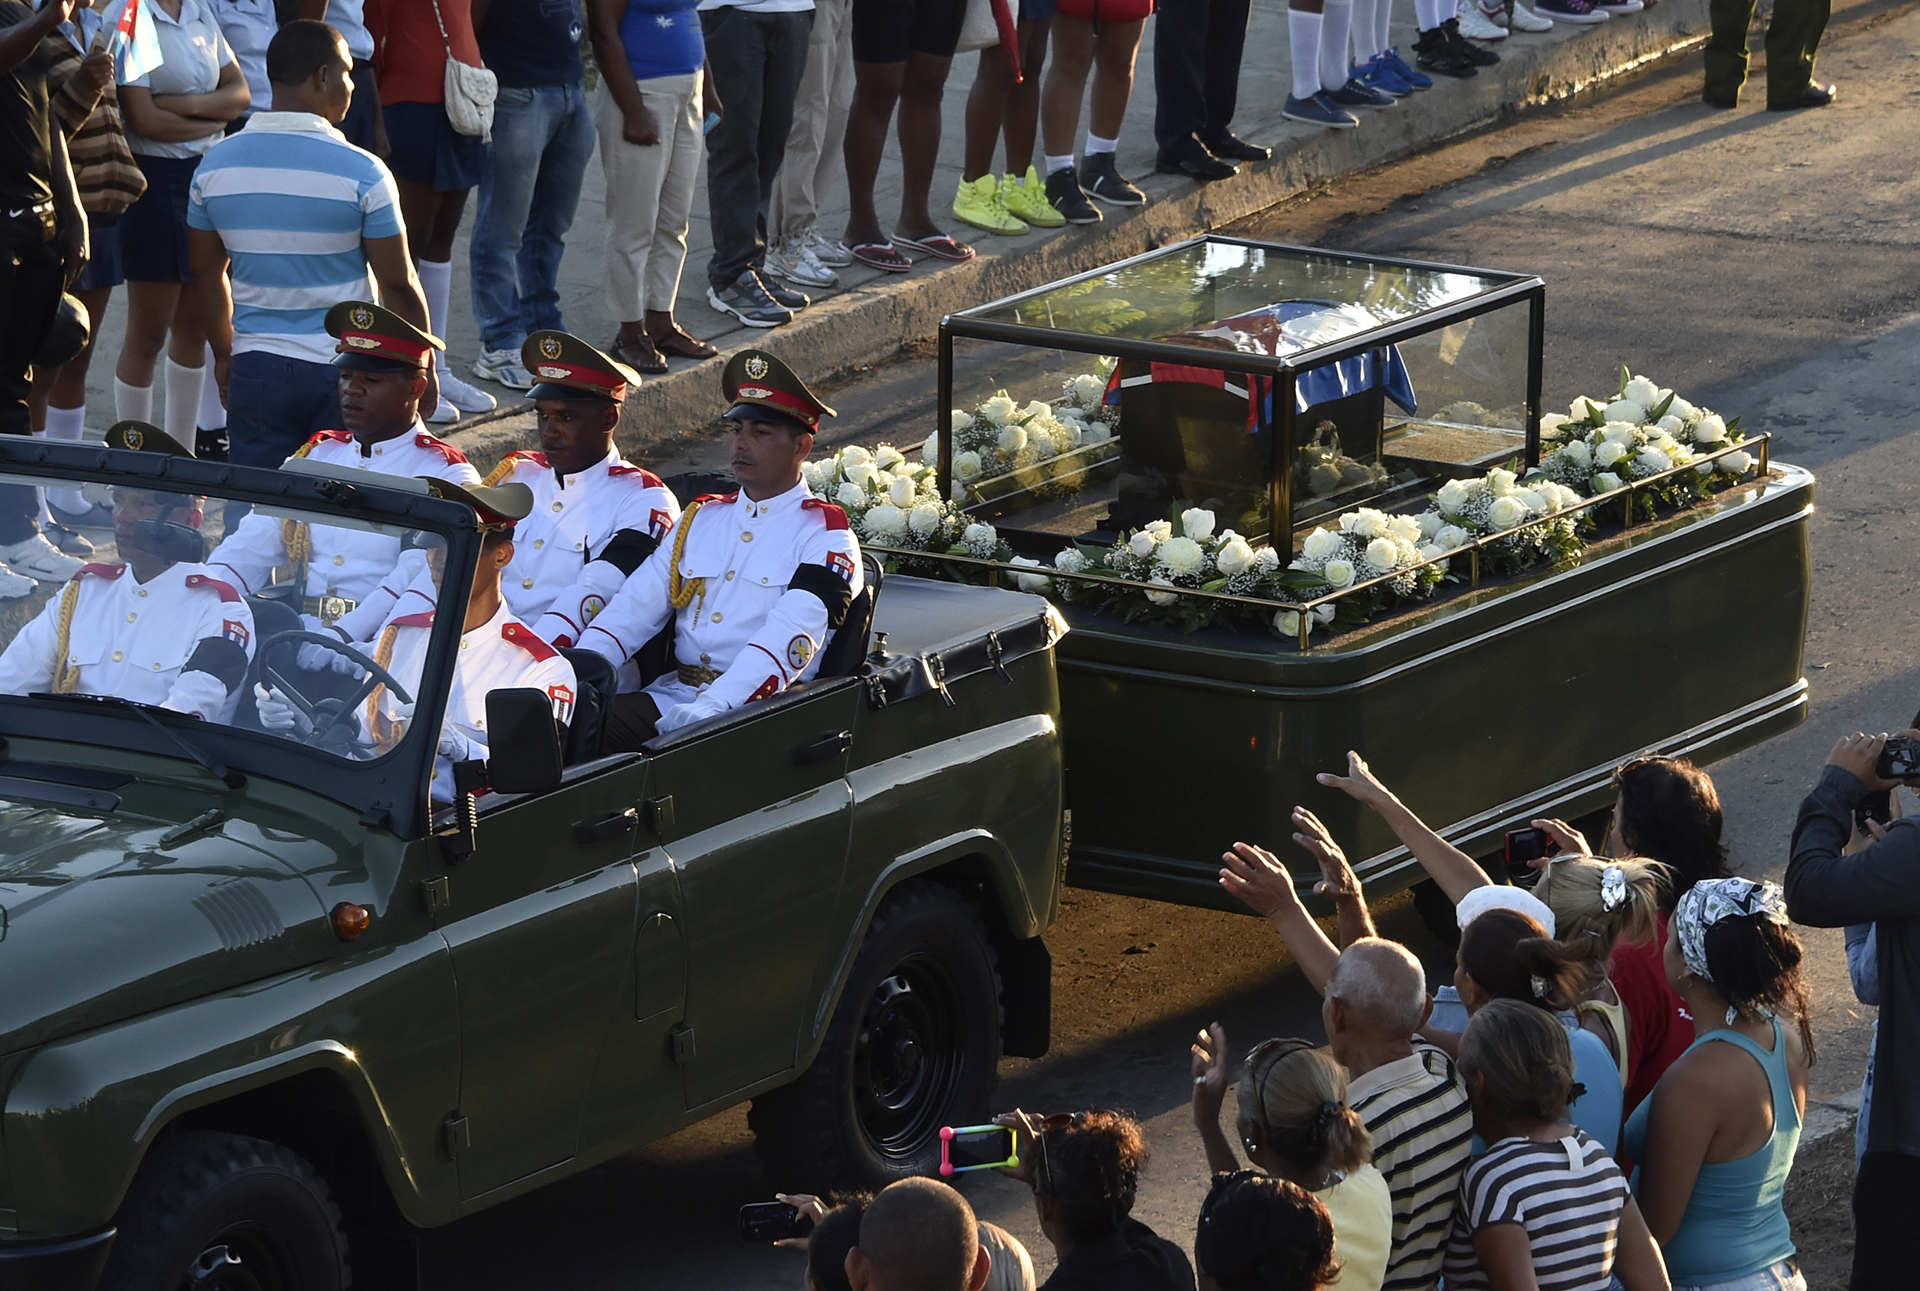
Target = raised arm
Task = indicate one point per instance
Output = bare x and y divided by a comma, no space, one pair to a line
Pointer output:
18,42
1455,871
1209,1053
1254,876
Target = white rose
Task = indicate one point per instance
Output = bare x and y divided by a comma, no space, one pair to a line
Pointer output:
853,455
1506,512
815,477
1321,544
1627,410
1161,598
1071,561
1550,423
885,522
1661,440
889,458
1181,556
1265,561
1619,432
1579,453
1366,523
966,466
1711,430
1160,529
1532,499
1583,409
1325,613
1287,624
1705,468
900,492
1197,523
1452,496
1431,550
924,519
958,421
959,493
1609,452
1068,437
1030,582
1407,528
1141,544
1643,392
1427,524
1500,482
1605,482
1034,409
980,539
851,496
1233,557
1098,433
1450,536
998,410
860,473
1339,573
1086,389
1652,461
1682,409
1739,462
1671,424
1382,554
1012,440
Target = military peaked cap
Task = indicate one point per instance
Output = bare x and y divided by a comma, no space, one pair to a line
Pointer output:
498,507
757,383
373,339
141,437
566,367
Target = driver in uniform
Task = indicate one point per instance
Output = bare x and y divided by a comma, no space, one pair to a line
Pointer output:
157,628
382,360
753,581
496,652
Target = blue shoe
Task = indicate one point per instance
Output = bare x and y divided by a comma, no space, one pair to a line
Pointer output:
1356,95
1318,111
1417,79
1376,75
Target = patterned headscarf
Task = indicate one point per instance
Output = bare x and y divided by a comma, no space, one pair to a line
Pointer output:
1711,900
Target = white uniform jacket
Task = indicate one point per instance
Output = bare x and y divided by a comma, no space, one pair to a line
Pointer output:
501,654
343,562
135,640
756,616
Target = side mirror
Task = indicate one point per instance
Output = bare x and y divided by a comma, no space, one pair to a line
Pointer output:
523,741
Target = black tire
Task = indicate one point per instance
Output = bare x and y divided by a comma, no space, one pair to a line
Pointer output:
914,1045
223,1212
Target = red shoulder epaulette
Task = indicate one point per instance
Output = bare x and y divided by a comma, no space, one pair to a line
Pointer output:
647,478
726,498
529,640
453,455
835,516
324,437
207,580
102,570
424,619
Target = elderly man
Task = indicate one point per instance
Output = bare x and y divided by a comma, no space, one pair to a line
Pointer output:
754,581
918,1235
1408,1093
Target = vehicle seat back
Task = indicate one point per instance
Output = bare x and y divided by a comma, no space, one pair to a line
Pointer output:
844,654
598,682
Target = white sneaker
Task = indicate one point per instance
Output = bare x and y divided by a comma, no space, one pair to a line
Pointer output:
828,251
14,586
35,557
794,261
1525,19
503,366
461,395
1474,23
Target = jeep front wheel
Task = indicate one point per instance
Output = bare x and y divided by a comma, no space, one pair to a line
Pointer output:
223,1212
914,1045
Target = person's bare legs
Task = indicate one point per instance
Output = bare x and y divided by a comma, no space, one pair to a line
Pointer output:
1065,84
150,310
1023,100
996,102
432,219
1114,50
919,129
876,88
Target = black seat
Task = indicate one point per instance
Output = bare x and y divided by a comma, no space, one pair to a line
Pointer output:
844,654
598,682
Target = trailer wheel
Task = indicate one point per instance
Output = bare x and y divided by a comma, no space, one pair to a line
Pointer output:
914,1045
223,1212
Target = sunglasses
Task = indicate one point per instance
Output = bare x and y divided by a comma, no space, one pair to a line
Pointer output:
1049,1124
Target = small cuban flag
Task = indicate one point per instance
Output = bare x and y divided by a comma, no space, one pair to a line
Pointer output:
134,43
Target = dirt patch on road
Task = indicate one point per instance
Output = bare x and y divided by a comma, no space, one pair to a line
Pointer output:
1819,1206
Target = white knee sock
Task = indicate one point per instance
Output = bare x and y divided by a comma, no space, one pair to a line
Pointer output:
436,283
1432,13
1057,164
183,401
1303,43
1096,144
1333,43
67,424
1365,24
213,414
1382,36
132,403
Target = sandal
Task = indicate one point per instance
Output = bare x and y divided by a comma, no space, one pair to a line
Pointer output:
680,343
880,255
938,245
638,353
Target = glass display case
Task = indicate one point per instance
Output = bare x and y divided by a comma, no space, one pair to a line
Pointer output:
1276,386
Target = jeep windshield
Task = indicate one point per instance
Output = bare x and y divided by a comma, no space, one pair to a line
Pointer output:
296,624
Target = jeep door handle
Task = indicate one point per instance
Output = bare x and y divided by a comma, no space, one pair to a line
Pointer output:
599,831
827,746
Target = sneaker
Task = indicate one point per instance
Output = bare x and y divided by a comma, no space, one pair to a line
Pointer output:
1475,54
1378,75
503,366
1475,24
1355,95
747,300
93,516
785,297
1318,111
1497,15
14,586
1392,60
1101,181
977,202
211,445
1573,11
67,540
1065,195
1026,199
1619,6
35,557
830,252
1525,19
461,395
790,259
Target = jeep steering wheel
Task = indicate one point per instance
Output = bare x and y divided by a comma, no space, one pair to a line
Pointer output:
332,718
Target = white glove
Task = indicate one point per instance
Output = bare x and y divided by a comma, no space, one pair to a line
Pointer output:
686,714
278,713
319,658
313,623
455,747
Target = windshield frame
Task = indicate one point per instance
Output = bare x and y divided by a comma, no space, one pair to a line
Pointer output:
392,790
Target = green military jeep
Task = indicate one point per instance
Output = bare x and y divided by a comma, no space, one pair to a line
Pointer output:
268,1009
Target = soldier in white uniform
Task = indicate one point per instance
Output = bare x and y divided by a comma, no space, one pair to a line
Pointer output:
382,360
753,581
497,652
157,629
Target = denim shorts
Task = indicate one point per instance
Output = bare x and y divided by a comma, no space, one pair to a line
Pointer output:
427,149
1784,1276
153,231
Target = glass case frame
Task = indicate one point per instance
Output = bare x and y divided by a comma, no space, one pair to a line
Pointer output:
1283,371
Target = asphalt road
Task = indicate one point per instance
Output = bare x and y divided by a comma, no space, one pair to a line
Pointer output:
1763,264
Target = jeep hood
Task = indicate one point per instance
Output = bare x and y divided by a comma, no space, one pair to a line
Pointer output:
108,917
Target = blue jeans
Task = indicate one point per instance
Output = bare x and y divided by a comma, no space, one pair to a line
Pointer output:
542,142
275,404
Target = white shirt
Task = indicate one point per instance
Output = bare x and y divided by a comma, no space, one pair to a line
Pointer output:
344,562
348,17
193,51
744,623
132,639
249,26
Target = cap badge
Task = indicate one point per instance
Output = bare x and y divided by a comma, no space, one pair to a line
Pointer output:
756,367
755,392
135,438
555,374
550,347
360,342
360,316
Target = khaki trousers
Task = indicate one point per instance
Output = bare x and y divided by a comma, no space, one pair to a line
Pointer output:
815,165
649,194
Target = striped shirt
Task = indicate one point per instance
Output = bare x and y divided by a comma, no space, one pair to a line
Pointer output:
293,201
1416,1112
1567,1195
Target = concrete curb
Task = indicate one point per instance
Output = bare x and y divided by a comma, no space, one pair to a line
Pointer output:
872,321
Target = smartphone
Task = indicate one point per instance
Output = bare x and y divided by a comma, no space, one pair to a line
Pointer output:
1899,758
713,119
769,1221
976,1147
1876,807
1524,845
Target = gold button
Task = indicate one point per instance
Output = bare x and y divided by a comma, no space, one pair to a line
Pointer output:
746,537
729,575
156,667
143,591
117,656
463,645
538,543
339,560
131,616
716,619
526,582
579,546
556,506
763,582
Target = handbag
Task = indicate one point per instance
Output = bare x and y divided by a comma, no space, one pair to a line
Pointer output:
988,23
470,91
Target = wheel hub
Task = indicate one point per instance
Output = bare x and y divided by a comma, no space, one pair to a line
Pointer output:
907,1060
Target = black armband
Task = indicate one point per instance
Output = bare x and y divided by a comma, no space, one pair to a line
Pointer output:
223,660
627,550
835,592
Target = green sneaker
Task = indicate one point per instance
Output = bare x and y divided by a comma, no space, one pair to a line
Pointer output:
978,203
1029,201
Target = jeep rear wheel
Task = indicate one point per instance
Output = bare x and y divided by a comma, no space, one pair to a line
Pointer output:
222,1212
914,1045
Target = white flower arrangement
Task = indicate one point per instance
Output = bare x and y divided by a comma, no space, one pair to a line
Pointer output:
1026,441
1644,430
893,502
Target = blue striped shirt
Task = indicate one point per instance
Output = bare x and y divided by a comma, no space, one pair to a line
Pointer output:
293,201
